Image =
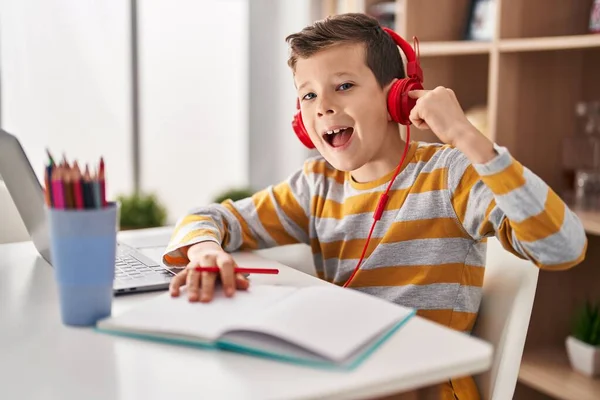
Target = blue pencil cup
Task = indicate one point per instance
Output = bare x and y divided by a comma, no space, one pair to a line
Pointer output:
83,251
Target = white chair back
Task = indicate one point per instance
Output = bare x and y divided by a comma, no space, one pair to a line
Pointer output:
508,293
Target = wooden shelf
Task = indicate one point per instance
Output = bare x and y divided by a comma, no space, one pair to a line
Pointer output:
549,371
590,220
549,43
453,48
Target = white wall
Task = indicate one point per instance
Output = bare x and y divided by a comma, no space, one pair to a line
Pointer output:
194,99
65,81
275,152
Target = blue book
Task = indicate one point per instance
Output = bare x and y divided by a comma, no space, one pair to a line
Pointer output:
320,326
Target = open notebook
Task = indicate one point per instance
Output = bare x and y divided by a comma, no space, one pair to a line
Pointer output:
318,325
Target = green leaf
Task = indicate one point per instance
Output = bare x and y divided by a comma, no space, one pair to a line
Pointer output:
586,325
141,210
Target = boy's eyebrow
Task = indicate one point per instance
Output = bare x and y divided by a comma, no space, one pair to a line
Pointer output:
337,75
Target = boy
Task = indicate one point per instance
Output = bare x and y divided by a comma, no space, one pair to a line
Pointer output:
428,249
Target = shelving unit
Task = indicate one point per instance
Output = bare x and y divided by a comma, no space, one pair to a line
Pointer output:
539,64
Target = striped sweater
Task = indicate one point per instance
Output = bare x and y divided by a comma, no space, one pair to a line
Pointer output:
427,251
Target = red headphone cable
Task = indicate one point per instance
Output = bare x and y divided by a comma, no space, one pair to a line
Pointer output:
381,205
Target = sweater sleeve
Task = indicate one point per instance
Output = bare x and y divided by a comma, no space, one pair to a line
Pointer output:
505,199
274,216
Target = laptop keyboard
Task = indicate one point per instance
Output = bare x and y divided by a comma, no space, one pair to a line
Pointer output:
129,268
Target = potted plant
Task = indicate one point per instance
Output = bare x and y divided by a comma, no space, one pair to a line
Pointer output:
234,194
583,345
141,210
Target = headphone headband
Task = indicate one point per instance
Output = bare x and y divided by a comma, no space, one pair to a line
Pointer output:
413,67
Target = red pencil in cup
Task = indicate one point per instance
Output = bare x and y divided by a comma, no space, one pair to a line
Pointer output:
102,183
77,187
240,270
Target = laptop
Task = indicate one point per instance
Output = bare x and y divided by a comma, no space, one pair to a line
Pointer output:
134,271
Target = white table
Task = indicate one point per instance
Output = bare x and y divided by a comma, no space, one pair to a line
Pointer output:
42,359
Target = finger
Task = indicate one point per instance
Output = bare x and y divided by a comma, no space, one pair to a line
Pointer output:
192,284
208,286
226,266
415,94
241,282
416,118
177,281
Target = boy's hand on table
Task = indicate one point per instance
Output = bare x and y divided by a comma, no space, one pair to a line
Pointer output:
200,286
440,111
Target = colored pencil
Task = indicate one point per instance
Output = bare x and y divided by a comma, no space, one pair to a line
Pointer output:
57,188
240,270
68,187
77,187
102,183
96,188
88,195
48,185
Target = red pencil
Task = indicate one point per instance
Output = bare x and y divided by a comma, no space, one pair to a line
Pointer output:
77,187
102,183
239,270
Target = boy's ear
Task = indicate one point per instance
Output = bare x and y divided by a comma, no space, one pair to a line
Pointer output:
386,91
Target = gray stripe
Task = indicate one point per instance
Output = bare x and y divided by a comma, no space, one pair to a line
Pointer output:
247,209
458,165
502,161
354,226
526,201
480,197
562,247
290,226
433,204
437,296
406,179
477,254
418,206
300,188
412,252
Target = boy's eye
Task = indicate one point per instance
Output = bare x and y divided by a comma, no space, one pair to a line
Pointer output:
345,86
308,96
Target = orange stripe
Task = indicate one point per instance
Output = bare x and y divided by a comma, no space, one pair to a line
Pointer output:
433,228
265,208
176,260
425,154
460,321
420,275
286,199
367,202
460,198
196,233
487,227
546,223
192,218
463,321
248,240
507,180
320,167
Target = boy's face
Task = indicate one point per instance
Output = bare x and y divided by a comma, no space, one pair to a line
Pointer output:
343,107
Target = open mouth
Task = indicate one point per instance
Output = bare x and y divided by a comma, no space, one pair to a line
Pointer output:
338,137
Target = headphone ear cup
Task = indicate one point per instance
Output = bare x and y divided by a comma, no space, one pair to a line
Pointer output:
300,130
400,104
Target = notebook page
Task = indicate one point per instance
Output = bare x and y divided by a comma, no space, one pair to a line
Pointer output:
328,320
169,316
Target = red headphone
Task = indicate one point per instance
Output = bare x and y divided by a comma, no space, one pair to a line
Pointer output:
399,104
